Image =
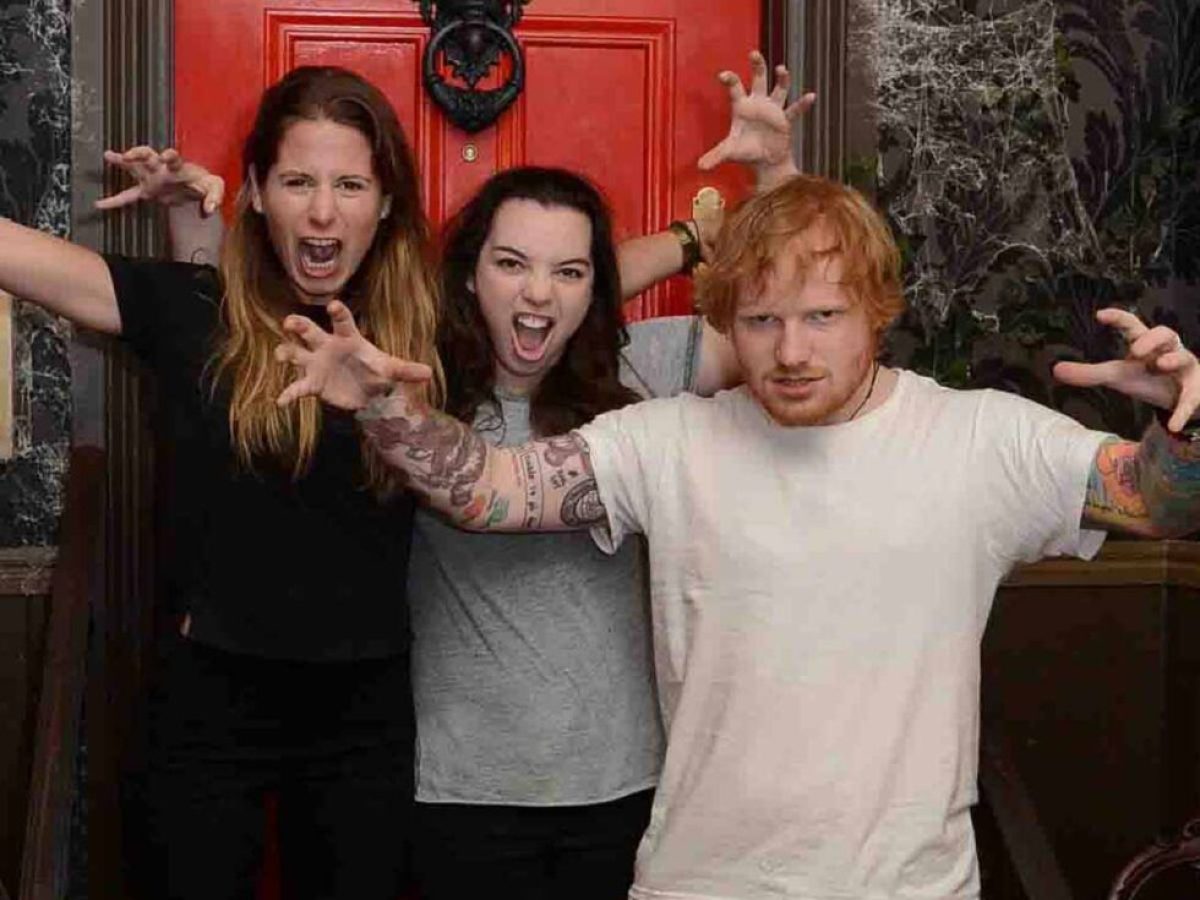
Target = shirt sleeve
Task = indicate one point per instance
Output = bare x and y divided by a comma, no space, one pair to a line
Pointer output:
162,302
626,448
1039,484
663,356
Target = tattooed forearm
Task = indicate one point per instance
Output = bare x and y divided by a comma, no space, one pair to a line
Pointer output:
544,485
1151,489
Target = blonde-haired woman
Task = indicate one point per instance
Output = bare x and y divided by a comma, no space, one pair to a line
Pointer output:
282,673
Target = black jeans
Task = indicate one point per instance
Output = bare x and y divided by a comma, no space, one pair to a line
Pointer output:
529,853
333,742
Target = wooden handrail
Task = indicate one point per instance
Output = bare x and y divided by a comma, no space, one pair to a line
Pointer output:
1120,562
77,583
1025,840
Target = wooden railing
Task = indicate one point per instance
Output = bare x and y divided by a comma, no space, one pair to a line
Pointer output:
77,583
1026,845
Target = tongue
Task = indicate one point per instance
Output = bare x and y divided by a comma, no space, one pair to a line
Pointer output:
530,339
319,254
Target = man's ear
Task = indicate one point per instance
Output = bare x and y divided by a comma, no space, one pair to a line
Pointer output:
255,196
387,207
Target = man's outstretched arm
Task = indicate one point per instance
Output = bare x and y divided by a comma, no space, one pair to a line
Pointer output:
1150,488
544,485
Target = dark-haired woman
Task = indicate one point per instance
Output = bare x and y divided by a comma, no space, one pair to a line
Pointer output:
539,735
538,729
282,674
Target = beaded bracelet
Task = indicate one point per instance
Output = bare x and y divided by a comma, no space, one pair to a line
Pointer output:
689,241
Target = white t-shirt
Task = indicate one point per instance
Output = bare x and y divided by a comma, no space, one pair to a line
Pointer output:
819,596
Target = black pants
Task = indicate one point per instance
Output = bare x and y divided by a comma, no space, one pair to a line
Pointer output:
333,742
529,853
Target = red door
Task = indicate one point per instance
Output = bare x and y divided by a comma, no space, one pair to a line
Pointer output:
621,90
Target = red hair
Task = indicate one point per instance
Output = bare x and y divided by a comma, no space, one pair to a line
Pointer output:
758,231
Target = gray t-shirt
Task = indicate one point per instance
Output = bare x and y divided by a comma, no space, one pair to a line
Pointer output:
532,666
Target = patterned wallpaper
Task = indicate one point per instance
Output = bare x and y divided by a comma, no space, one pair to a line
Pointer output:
1039,160
35,156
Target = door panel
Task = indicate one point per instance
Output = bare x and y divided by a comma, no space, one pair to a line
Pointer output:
620,90
598,102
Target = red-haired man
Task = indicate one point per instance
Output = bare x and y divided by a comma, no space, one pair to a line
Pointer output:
825,543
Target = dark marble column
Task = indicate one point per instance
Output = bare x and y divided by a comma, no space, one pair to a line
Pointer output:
35,158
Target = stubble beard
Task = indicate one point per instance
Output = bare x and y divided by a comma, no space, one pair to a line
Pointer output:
816,411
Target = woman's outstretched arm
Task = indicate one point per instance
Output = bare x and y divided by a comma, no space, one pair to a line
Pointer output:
61,277
74,282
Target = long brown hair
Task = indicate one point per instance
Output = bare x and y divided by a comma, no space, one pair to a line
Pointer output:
585,381
393,293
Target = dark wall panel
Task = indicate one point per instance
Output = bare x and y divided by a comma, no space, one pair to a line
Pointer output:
22,625
1090,676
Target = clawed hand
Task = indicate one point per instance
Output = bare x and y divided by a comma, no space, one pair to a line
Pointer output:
760,130
1157,368
342,368
163,177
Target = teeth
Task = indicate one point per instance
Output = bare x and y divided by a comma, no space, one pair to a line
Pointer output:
530,321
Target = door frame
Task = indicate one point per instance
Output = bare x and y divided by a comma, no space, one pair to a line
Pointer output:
809,36
121,67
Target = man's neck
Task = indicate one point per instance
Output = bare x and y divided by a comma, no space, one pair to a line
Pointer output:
877,385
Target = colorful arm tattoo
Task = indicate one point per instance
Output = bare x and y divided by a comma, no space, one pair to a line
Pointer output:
544,485
1150,489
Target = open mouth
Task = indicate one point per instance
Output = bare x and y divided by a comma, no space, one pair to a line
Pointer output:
530,333
319,256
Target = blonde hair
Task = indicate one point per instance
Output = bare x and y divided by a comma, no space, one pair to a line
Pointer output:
754,235
393,293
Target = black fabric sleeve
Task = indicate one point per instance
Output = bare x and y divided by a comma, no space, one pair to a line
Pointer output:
162,303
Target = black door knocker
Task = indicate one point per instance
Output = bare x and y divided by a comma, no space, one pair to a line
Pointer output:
471,36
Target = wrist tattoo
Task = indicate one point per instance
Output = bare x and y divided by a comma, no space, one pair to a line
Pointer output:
440,453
